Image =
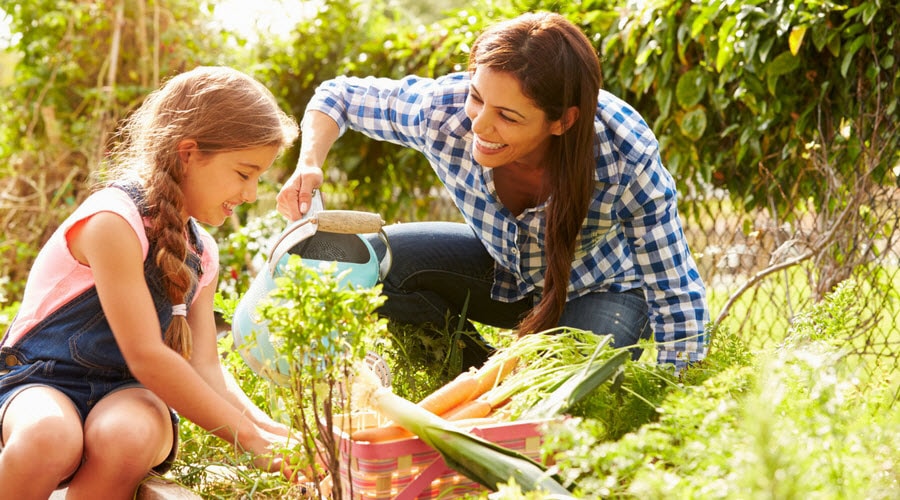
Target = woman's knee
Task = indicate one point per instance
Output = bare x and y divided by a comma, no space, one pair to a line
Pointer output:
622,315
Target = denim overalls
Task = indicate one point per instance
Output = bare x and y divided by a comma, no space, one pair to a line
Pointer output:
73,349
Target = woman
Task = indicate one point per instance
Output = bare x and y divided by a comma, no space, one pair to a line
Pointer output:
571,216
116,333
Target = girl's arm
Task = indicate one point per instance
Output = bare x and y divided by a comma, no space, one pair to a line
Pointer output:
208,364
109,246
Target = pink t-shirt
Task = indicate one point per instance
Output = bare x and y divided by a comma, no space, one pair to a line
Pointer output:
57,277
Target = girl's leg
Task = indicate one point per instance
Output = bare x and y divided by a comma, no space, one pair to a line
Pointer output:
622,315
42,442
125,435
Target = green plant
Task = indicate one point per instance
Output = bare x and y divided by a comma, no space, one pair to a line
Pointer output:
322,327
800,421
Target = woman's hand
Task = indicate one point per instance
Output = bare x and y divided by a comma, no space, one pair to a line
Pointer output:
318,132
295,196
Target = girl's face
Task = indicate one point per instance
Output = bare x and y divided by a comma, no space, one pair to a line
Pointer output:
214,184
508,126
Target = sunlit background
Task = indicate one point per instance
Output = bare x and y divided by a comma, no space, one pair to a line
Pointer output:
247,18
261,17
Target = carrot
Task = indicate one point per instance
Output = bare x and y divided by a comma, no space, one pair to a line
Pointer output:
451,394
380,434
491,374
394,432
477,408
445,398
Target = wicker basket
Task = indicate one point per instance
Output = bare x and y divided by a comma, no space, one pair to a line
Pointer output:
408,469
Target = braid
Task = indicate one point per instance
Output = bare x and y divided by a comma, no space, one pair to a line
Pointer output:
168,230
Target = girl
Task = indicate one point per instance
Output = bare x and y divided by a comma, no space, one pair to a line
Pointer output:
571,217
116,333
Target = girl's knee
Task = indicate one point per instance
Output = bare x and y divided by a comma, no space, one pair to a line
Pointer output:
30,444
139,439
130,431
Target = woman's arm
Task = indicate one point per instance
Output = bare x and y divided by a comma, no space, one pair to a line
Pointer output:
675,292
319,133
109,246
398,111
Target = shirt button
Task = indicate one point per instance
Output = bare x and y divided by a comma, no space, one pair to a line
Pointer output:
514,250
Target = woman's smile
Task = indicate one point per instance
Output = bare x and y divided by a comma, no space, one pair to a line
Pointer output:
518,130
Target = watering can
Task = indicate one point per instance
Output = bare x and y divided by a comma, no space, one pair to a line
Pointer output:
321,237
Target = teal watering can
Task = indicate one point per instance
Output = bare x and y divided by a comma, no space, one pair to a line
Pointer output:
321,237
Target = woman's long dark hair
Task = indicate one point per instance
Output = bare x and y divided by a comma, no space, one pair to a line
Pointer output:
557,68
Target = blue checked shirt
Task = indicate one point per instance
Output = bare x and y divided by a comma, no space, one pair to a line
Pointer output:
632,236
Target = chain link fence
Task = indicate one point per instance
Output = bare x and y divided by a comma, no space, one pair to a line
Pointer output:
763,268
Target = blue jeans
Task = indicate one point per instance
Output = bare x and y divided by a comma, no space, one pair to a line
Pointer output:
441,270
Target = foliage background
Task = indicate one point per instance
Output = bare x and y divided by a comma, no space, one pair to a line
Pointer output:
777,118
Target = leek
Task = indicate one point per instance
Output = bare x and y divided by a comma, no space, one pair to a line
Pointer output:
480,460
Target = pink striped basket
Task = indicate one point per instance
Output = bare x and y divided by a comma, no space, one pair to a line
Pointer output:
407,469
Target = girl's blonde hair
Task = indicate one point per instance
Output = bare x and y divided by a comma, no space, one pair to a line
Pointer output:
223,110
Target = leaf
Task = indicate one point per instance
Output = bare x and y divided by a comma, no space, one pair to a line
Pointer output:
855,45
764,49
693,124
578,386
820,36
726,37
869,11
690,88
783,64
795,39
834,44
664,100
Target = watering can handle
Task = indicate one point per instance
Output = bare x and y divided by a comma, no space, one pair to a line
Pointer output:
388,260
347,221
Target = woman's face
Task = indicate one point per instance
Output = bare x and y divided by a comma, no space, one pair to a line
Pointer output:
214,184
508,126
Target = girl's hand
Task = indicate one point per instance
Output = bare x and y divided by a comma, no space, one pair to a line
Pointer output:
272,452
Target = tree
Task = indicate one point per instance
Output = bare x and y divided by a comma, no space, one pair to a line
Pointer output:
80,66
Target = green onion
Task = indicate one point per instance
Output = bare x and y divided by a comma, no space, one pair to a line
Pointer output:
578,385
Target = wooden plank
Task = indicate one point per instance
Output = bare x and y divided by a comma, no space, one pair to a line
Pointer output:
157,488
153,488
